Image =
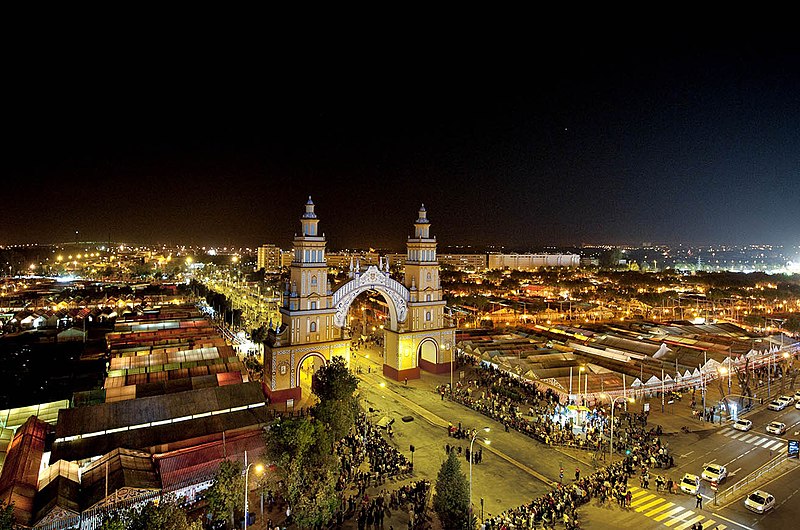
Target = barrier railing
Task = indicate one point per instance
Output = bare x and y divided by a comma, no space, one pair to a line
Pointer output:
740,487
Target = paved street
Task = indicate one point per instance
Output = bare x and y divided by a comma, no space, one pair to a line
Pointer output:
516,469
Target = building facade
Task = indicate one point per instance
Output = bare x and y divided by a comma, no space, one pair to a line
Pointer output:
269,258
532,261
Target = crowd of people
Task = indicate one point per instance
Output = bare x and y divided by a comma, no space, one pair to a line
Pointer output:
503,398
560,504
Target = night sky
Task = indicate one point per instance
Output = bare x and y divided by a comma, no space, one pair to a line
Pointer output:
523,147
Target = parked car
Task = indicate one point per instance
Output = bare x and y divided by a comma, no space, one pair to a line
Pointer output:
690,484
797,396
742,425
786,399
759,501
777,405
714,473
776,427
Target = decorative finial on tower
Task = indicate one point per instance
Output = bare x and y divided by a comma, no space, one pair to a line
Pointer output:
309,214
423,215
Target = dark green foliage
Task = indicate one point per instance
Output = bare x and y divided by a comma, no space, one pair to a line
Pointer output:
451,500
6,516
226,494
335,387
163,516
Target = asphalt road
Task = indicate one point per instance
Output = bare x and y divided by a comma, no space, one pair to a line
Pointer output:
516,469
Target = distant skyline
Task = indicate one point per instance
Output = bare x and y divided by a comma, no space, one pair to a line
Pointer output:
609,145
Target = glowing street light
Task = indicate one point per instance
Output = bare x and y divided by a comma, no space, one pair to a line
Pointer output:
471,458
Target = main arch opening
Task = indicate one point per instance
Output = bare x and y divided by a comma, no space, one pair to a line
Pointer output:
368,317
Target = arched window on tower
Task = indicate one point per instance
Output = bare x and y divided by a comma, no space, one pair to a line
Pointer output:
313,327
428,297
428,316
428,277
313,281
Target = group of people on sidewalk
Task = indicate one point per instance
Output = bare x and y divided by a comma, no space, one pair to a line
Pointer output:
366,445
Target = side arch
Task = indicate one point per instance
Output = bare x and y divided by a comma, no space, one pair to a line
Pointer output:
300,364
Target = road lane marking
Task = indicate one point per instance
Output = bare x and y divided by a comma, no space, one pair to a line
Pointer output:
635,493
659,509
686,524
649,505
709,523
643,499
731,521
435,419
679,518
747,438
668,514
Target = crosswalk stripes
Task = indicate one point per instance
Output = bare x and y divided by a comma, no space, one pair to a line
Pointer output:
670,513
754,439
640,500
674,517
659,509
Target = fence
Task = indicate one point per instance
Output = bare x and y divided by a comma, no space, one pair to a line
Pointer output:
741,487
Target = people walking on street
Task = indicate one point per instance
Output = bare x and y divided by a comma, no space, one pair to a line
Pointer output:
699,503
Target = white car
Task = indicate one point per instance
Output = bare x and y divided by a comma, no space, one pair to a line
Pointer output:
690,484
786,399
797,405
797,396
776,427
714,473
759,501
777,405
742,425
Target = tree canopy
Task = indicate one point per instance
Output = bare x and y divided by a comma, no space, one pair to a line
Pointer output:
303,447
451,499
6,516
335,387
151,516
226,493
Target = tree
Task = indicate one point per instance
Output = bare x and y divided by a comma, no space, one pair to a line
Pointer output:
301,446
451,500
6,516
226,493
151,516
335,387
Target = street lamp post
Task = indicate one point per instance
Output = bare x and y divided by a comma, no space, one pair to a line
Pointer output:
613,406
451,349
471,456
259,468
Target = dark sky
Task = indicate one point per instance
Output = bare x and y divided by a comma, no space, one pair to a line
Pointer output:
524,146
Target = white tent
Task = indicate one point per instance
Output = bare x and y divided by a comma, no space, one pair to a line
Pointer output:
662,351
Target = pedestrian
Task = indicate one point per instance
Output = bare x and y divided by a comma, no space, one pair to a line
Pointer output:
699,503
577,474
405,381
